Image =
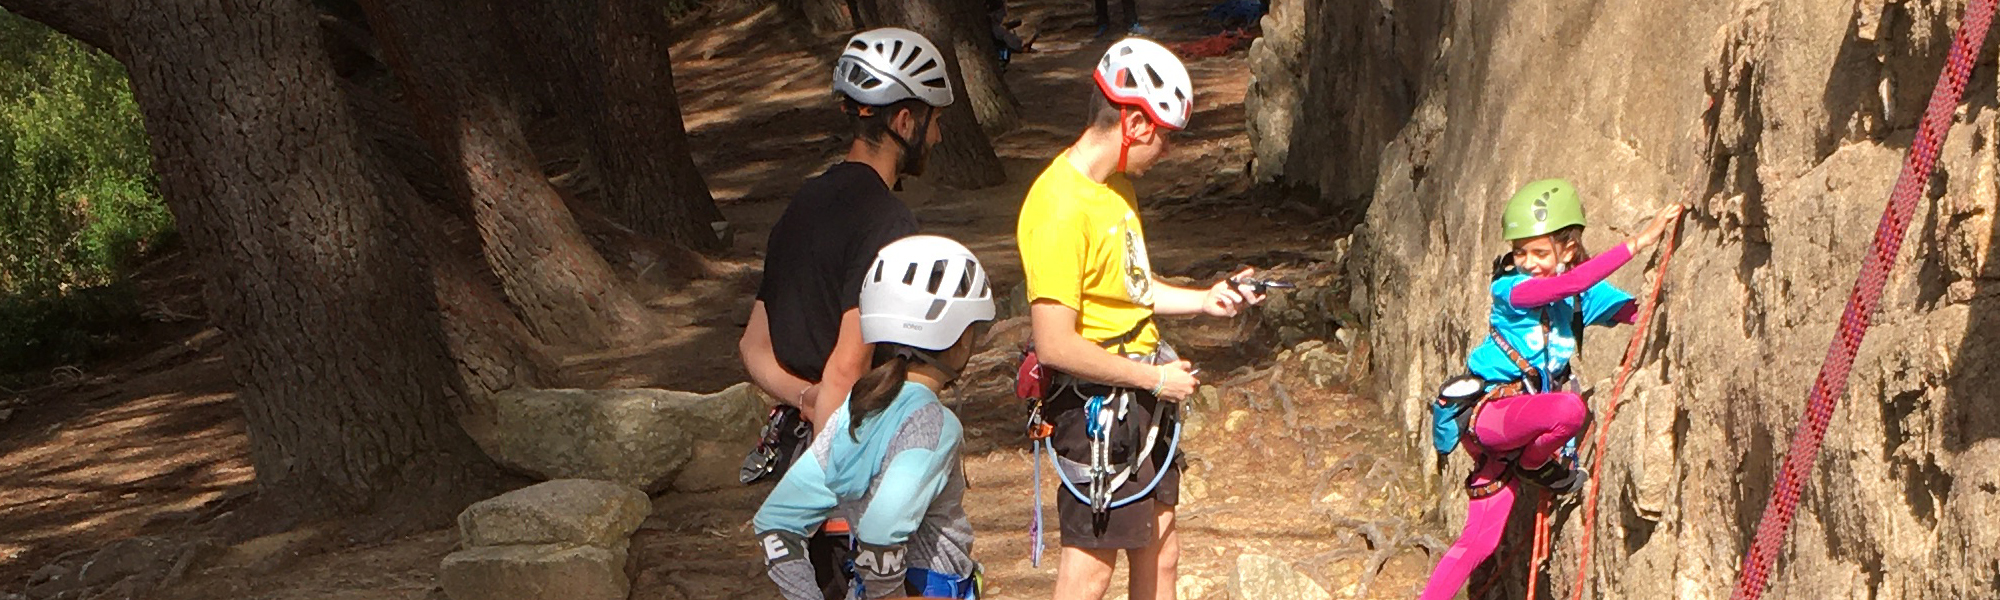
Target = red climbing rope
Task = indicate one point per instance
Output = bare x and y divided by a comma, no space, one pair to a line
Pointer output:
1540,554
1861,304
1632,351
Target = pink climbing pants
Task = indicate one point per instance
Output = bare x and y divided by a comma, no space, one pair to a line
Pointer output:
1537,425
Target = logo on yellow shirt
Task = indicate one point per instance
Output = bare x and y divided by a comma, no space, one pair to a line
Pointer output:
1138,268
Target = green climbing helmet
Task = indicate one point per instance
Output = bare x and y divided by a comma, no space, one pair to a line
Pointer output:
1541,208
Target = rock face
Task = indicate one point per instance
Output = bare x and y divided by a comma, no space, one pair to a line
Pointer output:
558,540
1784,122
1332,82
1272,103
638,437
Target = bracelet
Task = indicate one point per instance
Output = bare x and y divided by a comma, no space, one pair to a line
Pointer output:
1161,385
800,401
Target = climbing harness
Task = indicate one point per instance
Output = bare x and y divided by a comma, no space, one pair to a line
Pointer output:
918,582
1863,301
1105,407
1102,478
786,435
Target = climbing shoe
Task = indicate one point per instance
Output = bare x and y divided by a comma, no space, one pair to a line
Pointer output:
786,436
1554,476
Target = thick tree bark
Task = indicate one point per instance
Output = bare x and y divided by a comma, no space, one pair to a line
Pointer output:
344,375
823,16
603,66
491,348
965,158
978,59
640,141
447,55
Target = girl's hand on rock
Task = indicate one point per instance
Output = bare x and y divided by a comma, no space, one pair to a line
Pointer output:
1657,228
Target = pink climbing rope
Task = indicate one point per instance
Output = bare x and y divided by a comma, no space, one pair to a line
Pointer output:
1861,304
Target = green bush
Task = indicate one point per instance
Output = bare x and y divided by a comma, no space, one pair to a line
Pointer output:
45,331
78,199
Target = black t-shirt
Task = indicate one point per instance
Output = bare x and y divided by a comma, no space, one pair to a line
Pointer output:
819,251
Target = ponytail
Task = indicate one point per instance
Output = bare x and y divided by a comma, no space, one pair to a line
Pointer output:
875,390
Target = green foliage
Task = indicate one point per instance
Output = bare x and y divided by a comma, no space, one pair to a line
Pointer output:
44,331
78,198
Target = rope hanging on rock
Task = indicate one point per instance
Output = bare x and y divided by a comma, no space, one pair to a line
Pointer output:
1862,303
1632,352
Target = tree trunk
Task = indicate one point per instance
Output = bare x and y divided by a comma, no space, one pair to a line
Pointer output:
603,65
978,59
823,16
448,56
965,158
649,175
335,341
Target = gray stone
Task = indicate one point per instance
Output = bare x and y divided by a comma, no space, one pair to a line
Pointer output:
564,511
548,572
637,437
1259,577
1323,367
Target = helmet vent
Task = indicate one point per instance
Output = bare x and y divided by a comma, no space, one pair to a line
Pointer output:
964,281
937,277
910,275
1155,75
937,308
911,58
878,271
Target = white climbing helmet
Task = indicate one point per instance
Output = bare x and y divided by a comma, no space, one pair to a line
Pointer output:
1141,72
883,66
923,292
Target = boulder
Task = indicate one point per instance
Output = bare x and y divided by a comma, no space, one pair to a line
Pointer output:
544,572
1260,577
564,511
638,437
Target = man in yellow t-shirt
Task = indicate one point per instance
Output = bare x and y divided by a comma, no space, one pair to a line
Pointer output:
1092,300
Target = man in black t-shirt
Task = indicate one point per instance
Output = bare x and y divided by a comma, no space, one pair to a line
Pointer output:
803,343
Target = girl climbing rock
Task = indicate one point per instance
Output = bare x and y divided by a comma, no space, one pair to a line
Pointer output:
1516,410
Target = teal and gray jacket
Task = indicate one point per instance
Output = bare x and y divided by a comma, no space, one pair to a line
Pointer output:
897,481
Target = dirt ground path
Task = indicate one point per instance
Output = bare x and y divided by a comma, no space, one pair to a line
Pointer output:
1310,475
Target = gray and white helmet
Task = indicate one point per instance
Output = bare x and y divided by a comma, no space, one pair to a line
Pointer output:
887,65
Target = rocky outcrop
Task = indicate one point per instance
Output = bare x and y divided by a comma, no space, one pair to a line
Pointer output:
1332,82
1784,122
560,540
1276,84
644,438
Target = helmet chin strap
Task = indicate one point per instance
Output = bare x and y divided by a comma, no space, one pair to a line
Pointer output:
1125,133
911,161
950,374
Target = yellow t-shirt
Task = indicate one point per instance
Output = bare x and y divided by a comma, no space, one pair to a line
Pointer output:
1082,246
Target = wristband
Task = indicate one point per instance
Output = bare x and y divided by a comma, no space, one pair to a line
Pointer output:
800,401
1161,385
